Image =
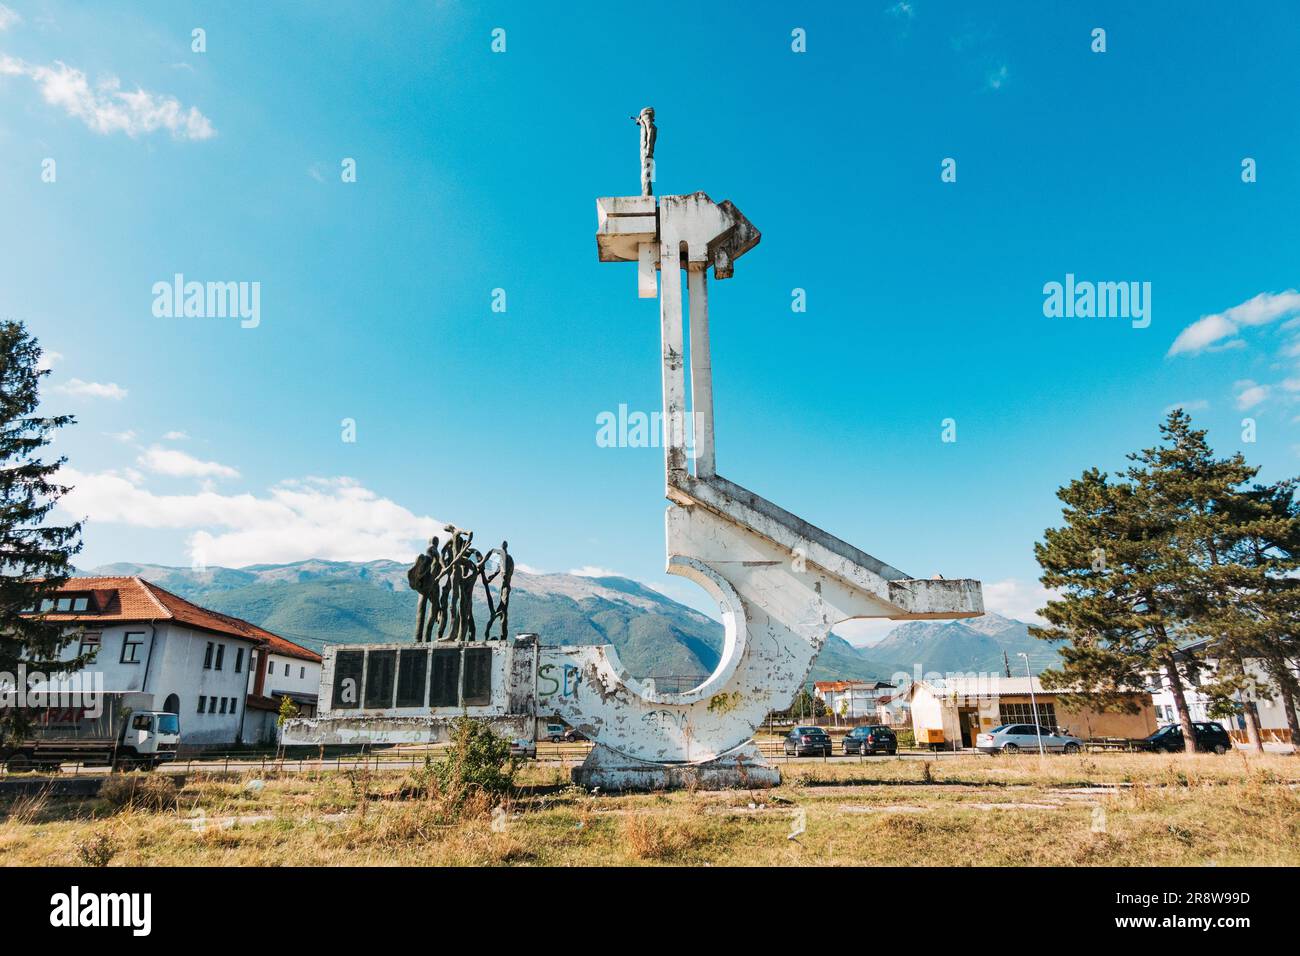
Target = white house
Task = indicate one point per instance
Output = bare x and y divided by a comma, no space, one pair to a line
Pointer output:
195,662
280,669
1273,724
853,699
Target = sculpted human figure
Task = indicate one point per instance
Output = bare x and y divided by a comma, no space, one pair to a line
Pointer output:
648,135
445,577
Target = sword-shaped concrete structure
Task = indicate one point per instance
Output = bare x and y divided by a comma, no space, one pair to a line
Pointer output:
781,584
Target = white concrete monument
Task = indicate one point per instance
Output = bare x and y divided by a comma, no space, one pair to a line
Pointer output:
780,583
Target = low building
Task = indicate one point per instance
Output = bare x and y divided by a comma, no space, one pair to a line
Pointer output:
955,709
193,661
280,669
853,699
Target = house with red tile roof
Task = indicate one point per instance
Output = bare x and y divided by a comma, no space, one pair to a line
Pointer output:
196,662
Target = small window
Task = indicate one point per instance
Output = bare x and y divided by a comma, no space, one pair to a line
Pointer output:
223,705
63,605
141,722
203,701
233,702
90,641
207,657
131,645
302,673
212,705
221,656
47,605
80,603
239,660
286,670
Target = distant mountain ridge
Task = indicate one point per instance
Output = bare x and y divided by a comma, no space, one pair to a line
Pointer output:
316,603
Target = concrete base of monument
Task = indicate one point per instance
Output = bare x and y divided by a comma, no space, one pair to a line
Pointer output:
742,769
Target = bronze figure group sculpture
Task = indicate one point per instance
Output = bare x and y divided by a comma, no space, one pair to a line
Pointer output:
446,575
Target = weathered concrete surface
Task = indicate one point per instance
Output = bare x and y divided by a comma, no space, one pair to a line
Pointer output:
362,729
781,584
743,768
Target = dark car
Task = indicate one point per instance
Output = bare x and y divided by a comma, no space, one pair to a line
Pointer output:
808,740
875,739
1210,738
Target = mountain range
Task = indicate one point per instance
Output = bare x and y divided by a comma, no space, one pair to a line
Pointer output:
316,603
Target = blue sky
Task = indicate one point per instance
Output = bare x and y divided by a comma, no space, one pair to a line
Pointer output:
478,170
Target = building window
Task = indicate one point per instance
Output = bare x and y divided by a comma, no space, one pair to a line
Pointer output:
63,605
212,705
223,705
202,703
80,603
1023,713
286,670
207,657
234,701
302,673
131,644
89,642
221,655
239,660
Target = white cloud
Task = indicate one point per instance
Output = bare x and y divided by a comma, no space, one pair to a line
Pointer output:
92,389
1017,599
592,571
1261,310
47,360
124,437
8,17
175,436
1249,393
331,518
177,464
105,107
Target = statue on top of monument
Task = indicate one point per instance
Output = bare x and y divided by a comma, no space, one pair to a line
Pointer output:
445,576
648,135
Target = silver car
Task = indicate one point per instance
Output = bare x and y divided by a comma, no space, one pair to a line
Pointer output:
1014,738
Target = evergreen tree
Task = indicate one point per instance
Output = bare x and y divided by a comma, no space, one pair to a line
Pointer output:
35,559
1132,560
1253,607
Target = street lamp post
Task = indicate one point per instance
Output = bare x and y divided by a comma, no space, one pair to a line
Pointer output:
1038,728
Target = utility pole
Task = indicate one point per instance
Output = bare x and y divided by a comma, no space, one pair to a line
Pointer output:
1038,728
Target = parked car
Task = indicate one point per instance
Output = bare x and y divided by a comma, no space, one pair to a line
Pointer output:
554,733
1013,738
808,740
1210,738
873,739
574,736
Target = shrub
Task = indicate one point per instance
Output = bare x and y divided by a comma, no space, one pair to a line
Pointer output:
478,760
140,791
97,850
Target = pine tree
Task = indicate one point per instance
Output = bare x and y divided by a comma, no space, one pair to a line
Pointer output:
35,559
1253,604
1132,561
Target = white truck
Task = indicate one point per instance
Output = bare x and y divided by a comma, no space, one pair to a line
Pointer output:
120,730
